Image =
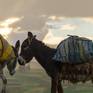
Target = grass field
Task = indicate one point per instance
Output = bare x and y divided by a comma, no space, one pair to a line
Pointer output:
37,81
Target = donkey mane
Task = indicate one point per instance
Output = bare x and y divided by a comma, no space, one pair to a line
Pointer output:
49,52
42,44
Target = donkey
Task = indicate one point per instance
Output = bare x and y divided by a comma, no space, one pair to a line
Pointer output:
58,71
8,57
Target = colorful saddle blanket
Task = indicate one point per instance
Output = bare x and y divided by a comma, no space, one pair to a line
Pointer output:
6,50
74,49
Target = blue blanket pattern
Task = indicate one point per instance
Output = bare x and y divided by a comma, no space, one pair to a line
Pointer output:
74,49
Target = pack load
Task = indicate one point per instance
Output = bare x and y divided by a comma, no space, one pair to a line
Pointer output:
74,49
6,50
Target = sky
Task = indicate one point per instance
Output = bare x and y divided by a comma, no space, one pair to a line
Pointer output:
56,29
50,20
60,28
32,10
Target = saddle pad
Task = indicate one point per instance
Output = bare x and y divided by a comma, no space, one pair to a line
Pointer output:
1,47
74,49
7,50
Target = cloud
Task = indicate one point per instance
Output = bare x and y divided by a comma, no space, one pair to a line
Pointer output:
43,16
88,19
51,39
56,18
69,27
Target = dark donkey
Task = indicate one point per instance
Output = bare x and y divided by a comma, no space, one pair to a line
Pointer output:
9,57
31,47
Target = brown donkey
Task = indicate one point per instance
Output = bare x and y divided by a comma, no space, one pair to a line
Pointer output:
58,71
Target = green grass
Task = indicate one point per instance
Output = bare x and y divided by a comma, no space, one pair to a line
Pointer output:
37,81
28,82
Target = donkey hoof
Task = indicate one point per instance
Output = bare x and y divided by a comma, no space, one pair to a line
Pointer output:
3,91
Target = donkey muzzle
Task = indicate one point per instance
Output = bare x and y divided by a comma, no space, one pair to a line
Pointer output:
21,60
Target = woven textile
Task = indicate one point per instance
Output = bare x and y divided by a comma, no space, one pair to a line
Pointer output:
74,49
6,50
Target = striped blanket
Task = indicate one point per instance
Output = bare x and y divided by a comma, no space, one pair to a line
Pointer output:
74,49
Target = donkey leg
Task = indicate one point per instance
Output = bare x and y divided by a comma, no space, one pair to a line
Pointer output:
4,82
54,86
59,87
91,72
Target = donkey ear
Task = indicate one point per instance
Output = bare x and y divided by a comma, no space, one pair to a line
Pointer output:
34,36
30,34
17,45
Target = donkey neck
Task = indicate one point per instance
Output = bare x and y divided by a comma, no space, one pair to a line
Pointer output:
42,53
